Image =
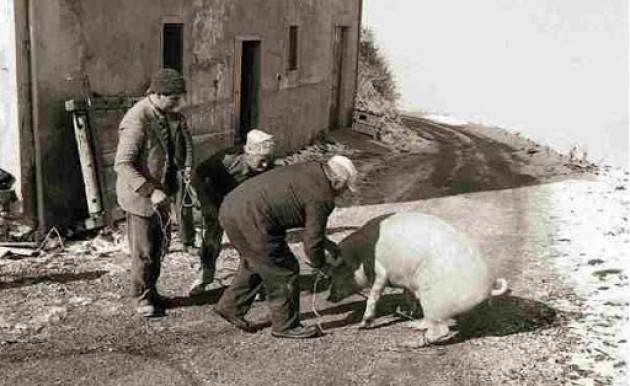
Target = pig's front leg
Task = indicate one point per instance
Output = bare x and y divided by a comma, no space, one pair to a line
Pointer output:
375,293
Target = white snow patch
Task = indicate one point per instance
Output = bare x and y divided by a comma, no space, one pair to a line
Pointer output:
592,248
445,119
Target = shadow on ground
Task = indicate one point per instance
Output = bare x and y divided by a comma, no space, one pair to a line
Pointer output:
502,316
307,283
60,278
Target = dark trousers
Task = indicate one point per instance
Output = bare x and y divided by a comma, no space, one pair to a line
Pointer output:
270,265
149,238
212,237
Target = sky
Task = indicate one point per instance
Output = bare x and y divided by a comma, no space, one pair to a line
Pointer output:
554,70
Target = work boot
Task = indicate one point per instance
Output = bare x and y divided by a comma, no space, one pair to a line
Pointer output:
205,278
299,332
236,321
160,301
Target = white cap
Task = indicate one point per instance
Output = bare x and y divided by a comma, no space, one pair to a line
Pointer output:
342,167
259,143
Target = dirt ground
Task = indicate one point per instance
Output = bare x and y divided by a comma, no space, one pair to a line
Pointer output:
64,319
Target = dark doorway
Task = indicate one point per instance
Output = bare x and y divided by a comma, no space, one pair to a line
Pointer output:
340,37
173,46
246,90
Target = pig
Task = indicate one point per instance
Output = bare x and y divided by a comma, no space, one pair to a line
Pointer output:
432,261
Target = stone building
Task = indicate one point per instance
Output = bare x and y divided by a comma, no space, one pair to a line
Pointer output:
285,66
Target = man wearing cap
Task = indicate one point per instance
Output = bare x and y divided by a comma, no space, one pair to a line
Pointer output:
256,216
154,145
213,180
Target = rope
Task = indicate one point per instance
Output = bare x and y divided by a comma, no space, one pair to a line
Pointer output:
318,275
164,228
47,238
189,199
396,312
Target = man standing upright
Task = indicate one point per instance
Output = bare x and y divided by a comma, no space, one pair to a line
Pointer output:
213,179
154,145
256,217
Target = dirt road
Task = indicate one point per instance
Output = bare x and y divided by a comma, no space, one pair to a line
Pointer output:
457,160
64,321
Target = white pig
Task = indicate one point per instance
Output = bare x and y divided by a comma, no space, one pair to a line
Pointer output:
432,261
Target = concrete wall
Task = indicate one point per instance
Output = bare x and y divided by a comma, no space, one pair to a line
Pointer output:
556,70
111,48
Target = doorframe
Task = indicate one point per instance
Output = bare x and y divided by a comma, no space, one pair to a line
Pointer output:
239,40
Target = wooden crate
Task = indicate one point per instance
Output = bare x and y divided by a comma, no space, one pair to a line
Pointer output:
365,122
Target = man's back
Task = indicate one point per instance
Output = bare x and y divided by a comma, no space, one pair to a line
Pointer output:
282,195
221,172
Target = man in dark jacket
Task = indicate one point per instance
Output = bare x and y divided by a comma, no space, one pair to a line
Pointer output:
213,179
256,217
147,170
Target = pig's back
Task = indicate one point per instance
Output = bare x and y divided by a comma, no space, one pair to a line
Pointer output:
425,254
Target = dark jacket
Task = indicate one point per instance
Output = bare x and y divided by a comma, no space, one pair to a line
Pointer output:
218,175
145,157
296,196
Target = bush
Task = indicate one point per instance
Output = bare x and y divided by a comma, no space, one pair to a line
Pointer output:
377,93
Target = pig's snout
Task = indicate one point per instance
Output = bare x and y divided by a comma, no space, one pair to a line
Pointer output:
341,288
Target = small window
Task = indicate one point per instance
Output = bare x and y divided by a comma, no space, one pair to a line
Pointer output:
173,46
293,47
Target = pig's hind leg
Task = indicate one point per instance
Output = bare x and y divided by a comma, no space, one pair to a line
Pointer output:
438,332
375,293
433,331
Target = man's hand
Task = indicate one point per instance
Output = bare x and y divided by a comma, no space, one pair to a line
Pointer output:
158,197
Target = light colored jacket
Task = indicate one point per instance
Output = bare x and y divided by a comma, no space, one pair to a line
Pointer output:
142,156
